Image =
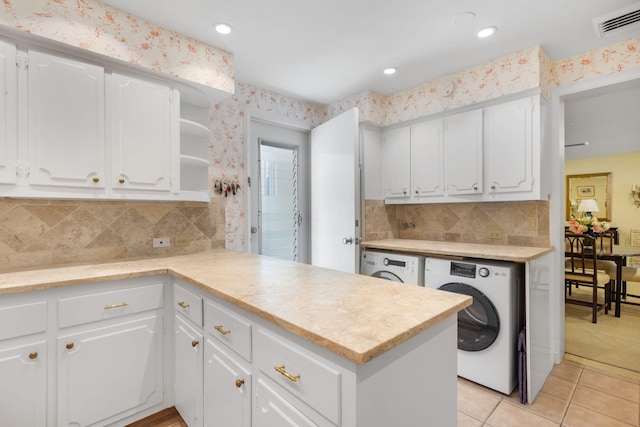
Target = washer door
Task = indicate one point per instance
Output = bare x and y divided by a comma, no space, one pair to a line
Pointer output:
478,324
387,275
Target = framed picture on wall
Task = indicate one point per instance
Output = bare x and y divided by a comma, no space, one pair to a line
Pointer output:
586,191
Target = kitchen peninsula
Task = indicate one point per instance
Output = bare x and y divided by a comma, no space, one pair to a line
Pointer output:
315,345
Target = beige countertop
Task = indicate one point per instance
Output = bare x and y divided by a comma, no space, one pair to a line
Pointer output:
456,249
357,317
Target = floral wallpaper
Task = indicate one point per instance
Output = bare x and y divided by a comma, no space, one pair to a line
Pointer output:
102,29
91,25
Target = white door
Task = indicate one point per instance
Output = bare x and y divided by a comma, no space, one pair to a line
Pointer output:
8,108
335,193
279,188
140,126
188,374
66,122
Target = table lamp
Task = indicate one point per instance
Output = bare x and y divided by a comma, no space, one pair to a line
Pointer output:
587,206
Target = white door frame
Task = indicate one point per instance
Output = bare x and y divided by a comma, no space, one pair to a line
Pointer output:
271,118
557,201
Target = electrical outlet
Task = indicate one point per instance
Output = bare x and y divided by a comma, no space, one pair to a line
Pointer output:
161,242
183,241
533,223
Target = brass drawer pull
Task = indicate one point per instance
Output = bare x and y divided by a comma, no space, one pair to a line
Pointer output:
69,345
122,304
222,331
183,305
194,343
239,383
33,355
281,370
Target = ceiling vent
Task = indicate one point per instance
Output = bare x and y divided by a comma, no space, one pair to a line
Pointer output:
616,22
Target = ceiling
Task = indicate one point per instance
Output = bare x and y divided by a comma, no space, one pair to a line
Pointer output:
325,51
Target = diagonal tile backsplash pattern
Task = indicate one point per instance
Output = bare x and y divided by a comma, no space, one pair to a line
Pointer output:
40,233
505,223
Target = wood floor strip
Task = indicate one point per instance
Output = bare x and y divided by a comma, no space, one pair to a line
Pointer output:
166,418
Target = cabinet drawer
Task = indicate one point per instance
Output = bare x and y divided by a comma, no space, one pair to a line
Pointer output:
108,305
229,328
188,304
24,319
301,373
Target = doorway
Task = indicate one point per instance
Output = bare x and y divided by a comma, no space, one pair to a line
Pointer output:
605,117
279,188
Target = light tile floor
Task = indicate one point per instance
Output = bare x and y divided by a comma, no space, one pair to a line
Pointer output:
578,393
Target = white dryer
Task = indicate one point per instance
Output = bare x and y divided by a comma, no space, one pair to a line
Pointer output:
403,268
488,329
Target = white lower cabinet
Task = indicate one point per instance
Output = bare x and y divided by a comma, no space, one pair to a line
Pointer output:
23,369
111,371
188,372
227,388
273,410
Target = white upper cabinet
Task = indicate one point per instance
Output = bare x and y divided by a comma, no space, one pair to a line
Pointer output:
427,164
66,122
512,147
140,133
8,108
396,163
463,153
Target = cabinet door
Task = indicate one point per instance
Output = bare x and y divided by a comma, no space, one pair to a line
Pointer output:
463,153
396,154
108,373
66,122
427,159
509,146
140,126
227,389
272,409
188,372
23,387
8,108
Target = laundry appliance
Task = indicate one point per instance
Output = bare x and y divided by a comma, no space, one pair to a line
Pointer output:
488,329
397,267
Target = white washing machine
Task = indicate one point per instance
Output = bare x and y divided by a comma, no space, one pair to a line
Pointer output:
488,329
403,268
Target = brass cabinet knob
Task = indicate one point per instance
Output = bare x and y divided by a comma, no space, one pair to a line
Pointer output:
417,192
121,180
69,345
493,187
96,179
239,383
194,343
33,355
475,187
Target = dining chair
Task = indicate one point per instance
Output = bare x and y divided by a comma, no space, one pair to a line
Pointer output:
581,255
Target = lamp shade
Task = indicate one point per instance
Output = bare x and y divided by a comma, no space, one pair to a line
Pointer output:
588,205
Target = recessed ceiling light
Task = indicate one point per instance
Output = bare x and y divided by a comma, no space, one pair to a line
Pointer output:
389,71
223,28
486,32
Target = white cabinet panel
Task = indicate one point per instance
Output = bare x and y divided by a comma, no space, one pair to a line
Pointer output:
140,133
272,410
110,371
427,159
8,112
66,122
396,164
23,387
463,153
188,373
227,389
509,145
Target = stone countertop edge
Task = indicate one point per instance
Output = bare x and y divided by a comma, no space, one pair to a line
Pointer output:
458,249
354,316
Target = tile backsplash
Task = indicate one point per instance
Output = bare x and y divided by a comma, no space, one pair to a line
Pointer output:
40,233
505,223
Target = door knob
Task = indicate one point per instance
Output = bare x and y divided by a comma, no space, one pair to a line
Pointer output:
254,230
347,240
